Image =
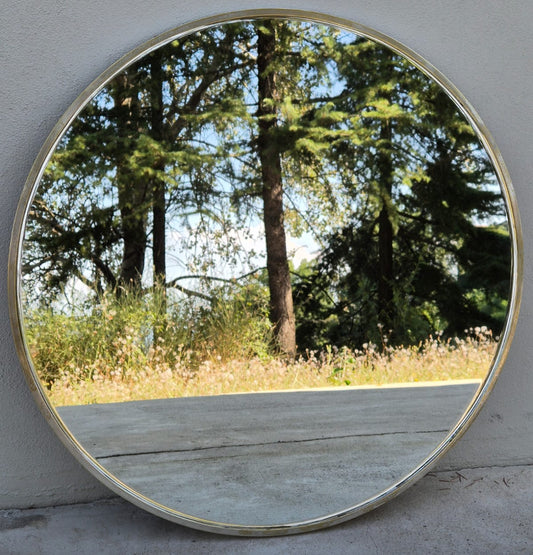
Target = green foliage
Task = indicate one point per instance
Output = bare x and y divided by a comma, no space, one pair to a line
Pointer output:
421,252
125,334
378,167
234,326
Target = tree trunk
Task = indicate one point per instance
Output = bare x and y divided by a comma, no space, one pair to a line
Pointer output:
158,185
131,190
158,188
279,280
385,233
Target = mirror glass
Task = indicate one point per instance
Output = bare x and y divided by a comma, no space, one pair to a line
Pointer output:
264,271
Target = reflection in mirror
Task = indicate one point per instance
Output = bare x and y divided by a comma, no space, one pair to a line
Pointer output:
265,206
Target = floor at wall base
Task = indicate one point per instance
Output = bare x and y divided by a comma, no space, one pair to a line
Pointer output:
481,510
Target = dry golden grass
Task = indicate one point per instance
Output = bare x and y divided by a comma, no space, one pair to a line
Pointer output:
164,372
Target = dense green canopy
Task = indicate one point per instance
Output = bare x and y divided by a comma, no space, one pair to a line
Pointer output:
207,166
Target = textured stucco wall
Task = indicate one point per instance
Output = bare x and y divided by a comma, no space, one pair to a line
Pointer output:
50,50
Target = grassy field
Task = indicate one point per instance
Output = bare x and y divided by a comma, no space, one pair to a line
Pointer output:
164,372
132,349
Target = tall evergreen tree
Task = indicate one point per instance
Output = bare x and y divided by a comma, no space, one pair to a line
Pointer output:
304,130
429,189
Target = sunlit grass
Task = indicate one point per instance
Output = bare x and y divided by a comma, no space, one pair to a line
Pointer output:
165,371
141,347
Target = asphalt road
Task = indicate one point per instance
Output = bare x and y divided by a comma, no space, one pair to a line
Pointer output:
269,458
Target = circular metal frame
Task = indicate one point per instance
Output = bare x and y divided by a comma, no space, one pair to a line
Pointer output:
15,294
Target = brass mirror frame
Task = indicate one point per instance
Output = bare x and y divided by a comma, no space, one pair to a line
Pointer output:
16,305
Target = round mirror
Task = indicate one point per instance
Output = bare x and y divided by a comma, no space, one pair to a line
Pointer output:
264,271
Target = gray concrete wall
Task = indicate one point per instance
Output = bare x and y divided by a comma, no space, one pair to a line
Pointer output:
50,50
